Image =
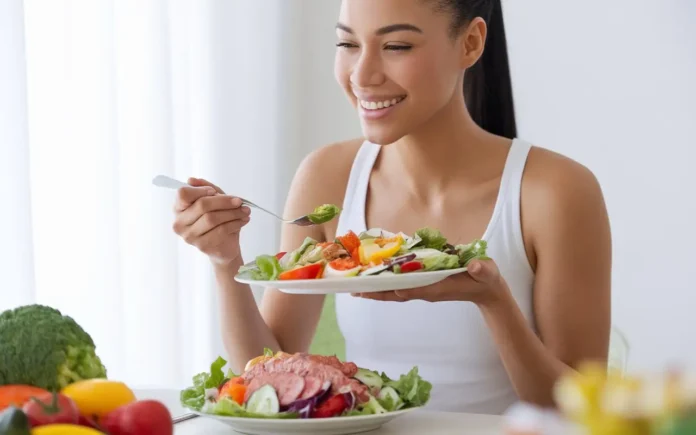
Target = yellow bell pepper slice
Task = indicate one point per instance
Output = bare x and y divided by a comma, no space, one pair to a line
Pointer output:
377,250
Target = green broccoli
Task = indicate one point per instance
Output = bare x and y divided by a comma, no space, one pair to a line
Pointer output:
39,346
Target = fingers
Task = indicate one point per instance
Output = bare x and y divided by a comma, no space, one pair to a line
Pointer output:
218,235
199,182
483,271
187,196
386,296
206,205
212,219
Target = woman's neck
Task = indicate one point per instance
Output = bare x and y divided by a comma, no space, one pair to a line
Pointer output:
441,152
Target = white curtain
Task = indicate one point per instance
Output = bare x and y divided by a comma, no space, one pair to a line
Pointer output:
97,97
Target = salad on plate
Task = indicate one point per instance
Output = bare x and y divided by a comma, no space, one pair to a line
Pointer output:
373,252
302,386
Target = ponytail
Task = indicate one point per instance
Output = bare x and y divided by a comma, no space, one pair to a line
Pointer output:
488,85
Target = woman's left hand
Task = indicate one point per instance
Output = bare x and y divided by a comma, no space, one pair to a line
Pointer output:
481,284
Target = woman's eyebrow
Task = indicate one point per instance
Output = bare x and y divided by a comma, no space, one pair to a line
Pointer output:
401,27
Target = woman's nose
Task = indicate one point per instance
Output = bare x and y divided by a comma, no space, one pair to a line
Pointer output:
367,71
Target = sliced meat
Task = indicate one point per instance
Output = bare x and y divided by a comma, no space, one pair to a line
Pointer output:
323,368
288,386
334,251
312,387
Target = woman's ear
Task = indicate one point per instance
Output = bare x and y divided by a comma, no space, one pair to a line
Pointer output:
472,42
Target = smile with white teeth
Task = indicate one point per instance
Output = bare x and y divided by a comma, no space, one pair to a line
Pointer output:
376,105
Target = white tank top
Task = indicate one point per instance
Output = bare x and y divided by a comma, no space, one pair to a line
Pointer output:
448,341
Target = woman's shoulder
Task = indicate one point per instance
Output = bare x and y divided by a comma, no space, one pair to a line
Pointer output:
550,173
560,196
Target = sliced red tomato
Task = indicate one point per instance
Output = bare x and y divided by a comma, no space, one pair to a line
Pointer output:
344,264
355,254
311,271
280,255
331,407
350,241
411,266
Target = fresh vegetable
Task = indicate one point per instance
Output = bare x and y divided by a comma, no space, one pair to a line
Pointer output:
98,397
331,407
264,401
144,417
194,396
350,241
411,266
233,390
390,399
14,422
431,238
369,378
372,252
44,348
303,386
475,249
311,271
375,251
65,429
51,408
324,213
18,395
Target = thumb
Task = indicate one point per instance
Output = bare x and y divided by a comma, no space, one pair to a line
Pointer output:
199,182
483,271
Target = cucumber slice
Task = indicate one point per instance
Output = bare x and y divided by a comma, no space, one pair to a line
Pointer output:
264,401
389,398
369,378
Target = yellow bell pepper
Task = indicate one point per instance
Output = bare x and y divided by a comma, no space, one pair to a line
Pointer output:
98,397
377,250
64,429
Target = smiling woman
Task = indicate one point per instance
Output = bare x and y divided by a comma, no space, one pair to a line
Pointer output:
430,83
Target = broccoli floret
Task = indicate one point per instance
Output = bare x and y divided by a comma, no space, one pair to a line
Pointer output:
40,346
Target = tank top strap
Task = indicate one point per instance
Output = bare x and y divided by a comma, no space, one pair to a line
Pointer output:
353,216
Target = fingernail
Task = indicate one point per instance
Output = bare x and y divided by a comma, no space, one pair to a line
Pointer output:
236,202
475,267
246,210
210,191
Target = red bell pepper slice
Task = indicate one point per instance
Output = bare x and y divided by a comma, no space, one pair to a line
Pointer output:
411,266
311,271
280,255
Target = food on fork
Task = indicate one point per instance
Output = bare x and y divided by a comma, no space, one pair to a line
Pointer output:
373,252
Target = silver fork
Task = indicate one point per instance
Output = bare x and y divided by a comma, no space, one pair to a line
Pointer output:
171,183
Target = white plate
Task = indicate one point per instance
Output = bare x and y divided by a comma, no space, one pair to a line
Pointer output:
358,284
319,426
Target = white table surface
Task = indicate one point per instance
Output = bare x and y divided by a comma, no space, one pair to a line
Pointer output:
416,423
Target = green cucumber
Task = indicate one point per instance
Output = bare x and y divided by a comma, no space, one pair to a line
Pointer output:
264,401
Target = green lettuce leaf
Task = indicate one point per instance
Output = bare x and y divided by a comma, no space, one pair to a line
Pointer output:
471,251
440,262
431,238
414,391
295,255
194,397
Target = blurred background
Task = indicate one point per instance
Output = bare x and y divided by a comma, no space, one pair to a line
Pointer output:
99,96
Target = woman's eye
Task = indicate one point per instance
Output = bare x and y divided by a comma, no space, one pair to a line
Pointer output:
398,47
345,45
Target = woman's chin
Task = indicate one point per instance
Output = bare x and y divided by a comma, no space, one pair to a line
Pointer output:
382,136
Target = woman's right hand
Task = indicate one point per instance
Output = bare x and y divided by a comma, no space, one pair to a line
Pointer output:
210,220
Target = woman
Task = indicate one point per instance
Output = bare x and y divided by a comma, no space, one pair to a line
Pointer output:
435,156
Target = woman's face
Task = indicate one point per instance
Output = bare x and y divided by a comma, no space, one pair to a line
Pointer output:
397,63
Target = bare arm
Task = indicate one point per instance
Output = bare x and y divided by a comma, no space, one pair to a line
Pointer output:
566,223
284,322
